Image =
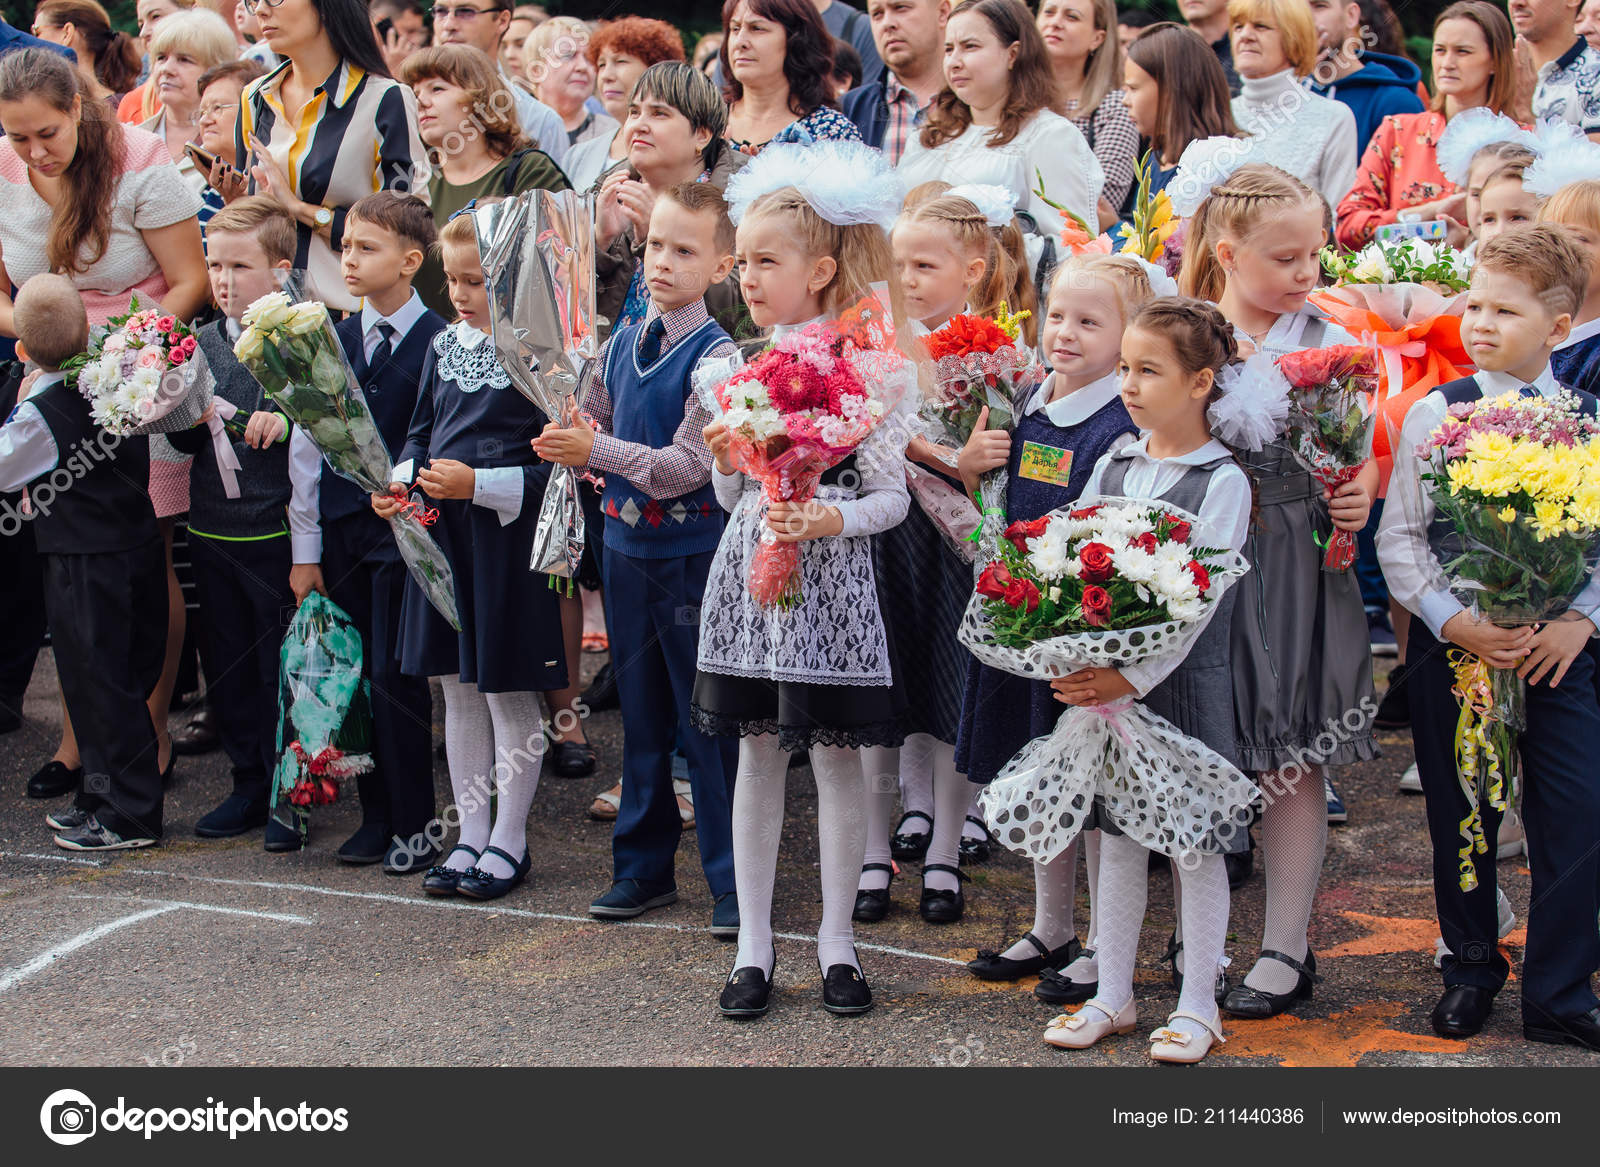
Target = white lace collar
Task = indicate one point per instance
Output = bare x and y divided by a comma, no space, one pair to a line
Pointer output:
779,331
466,360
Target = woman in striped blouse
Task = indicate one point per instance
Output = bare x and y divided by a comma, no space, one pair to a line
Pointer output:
326,128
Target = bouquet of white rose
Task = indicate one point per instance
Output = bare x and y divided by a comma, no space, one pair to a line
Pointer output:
1408,261
292,350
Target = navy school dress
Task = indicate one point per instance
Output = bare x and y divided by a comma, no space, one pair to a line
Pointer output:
510,639
1002,712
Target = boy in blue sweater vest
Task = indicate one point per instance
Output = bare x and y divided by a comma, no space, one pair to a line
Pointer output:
238,537
1525,287
346,552
662,526
104,575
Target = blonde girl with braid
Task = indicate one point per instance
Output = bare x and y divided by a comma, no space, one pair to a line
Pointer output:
1302,668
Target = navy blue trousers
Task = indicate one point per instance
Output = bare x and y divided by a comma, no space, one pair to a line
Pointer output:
367,578
245,606
1561,811
653,612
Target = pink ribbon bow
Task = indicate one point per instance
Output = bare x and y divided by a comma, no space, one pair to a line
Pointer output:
222,445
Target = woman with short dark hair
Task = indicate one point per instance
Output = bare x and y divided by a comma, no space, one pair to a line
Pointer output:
777,64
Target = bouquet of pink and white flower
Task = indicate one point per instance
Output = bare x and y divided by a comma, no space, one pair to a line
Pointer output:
141,374
1112,584
797,410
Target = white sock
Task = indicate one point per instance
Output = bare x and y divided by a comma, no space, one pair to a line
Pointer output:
1053,893
469,752
916,779
1204,879
1086,969
757,830
841,839
1294,837
880,775
970,829
952,794
1122,890
519,751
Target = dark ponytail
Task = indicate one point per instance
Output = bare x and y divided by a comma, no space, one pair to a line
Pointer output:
1199,333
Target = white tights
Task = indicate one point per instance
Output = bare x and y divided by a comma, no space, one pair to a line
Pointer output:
758,796
494,743
1294,838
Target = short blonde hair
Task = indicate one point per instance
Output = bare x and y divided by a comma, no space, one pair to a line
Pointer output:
265,219
199,33
1292,19
1575,205
50,320
546,36
1547,258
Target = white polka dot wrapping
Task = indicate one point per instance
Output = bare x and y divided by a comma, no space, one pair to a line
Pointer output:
1164,789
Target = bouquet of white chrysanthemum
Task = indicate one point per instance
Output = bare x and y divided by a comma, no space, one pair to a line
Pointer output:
141,374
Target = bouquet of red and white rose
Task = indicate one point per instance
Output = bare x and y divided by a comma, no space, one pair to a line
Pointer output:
142,374
1111,584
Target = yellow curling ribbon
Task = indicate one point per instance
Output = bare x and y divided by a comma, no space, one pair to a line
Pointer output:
1484,750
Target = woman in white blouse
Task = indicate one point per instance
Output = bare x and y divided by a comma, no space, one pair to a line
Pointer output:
1311,137
993,122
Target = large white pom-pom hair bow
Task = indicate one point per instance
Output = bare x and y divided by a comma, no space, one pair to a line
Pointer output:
844,182
996,204
1206,163
1565,159
1470,131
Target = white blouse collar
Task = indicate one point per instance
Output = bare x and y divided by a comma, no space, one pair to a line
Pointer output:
1212,450
467,336
1078,406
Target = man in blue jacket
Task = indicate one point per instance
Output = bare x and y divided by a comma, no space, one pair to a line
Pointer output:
1373,85
910,36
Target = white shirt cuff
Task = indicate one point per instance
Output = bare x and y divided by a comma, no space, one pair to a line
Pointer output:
1436,610
405,473
306,548
500,490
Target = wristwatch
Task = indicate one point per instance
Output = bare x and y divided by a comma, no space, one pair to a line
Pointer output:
323,217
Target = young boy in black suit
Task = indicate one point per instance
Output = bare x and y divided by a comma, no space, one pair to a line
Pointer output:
1525,287
346,552
104,573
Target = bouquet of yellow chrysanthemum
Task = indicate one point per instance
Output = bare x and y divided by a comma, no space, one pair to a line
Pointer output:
1518,481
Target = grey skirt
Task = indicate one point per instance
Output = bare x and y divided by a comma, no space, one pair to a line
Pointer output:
1302,658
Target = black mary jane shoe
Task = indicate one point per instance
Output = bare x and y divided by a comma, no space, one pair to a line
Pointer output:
443,881
976,850
53,779
1175,946
938,906
1056,988
991,966
845,990
911,847
478,884
1245,1001
872,904
748,992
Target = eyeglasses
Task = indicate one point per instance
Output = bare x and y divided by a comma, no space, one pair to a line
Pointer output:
216,110
462,12
258,5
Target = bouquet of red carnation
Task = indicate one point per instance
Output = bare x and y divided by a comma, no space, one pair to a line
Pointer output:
978,363
1105,585
798,409
1329,428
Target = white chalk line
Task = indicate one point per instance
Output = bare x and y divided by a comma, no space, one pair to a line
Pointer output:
282,917
486,909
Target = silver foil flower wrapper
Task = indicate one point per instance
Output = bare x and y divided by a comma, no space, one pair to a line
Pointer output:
538,254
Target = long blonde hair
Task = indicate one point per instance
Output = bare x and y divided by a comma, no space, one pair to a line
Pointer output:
860,251
1235,208
1006,279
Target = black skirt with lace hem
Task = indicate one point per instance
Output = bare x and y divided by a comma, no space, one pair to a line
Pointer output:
801,714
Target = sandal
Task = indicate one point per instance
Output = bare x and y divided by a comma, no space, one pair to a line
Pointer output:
606,805
685,794
572,759
596,642
910,847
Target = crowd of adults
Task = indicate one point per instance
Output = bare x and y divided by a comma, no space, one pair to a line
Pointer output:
119,143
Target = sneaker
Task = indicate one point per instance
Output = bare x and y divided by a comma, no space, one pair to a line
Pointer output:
92,836
1394,711
1505,921
1512,840
1381,634
69,818
634,897
1411,780
1336,810
725,916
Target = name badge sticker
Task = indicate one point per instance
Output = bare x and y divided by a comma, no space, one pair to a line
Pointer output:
1043,463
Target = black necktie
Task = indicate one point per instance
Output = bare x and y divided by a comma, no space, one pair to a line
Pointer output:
650,347
1529,391
384,350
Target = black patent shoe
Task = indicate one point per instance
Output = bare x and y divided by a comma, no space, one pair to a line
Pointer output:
1239,866
911,847
1056,988
942,907
53,779
845,990
991,966
1462,1010
1245,1001
1175,946
478,884
748,993
872,904
976,850
1582,1031
442,880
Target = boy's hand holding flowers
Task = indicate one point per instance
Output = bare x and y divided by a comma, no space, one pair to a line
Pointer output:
569,445
1501,648
1556,645
305,578
720,443
263,429
389,505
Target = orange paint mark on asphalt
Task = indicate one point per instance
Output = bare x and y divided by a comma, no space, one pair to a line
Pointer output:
1339,1040
1386,934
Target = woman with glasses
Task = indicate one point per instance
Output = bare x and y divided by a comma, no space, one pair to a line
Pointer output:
107,57
215,118
326,128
